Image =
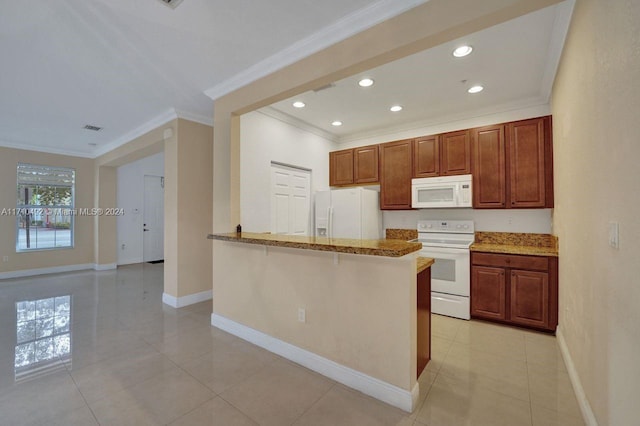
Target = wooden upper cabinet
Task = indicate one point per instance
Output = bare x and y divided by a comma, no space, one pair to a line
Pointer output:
365,164
455,155
395,175
489,167
529,176
341,167
426,157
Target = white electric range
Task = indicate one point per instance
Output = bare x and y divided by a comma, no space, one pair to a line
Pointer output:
448,242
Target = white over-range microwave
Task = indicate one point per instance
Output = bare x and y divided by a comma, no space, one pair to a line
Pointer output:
441,192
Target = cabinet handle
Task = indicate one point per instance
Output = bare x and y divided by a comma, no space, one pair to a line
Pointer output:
508,261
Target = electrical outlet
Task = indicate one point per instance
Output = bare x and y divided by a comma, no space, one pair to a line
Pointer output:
302,315
5,258
123,246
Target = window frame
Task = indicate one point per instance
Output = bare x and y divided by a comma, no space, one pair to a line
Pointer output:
69,207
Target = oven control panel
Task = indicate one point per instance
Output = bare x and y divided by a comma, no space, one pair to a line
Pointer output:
446,226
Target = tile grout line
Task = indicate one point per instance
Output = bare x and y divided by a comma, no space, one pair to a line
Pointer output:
314,403
83,397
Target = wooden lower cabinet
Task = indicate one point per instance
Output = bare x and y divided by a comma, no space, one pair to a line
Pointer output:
530,298
515,289
489,293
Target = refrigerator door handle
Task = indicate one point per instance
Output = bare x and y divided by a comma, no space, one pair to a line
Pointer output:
329,222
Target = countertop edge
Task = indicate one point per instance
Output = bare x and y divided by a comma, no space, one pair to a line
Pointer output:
338,247
514,249
423,263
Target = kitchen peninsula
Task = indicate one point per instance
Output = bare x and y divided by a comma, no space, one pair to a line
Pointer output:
347,309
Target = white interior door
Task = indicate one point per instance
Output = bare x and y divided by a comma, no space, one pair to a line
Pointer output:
290,200
153,224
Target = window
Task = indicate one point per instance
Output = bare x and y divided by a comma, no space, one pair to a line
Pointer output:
44,208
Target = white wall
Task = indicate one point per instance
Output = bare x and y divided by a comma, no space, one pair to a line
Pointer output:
265,139
130,196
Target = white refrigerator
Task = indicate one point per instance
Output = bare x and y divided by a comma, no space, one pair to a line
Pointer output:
348,213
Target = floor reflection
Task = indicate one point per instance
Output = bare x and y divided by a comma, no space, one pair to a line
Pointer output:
43,336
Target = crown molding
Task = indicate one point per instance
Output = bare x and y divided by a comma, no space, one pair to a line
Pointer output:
536,106
296,122
152,124
45,149
345,27
195,117
564,11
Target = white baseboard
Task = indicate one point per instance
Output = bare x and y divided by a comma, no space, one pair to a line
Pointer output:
386,392
105,266
42,271
587,413
190,299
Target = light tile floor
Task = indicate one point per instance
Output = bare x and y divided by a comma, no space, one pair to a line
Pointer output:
113,354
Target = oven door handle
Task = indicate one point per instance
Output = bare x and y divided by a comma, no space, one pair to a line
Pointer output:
444,250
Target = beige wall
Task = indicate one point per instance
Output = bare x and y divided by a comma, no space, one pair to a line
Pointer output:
596,105
82,253
188,150
360,313
194,207
105,231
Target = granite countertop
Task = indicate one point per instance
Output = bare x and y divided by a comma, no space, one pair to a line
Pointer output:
516,243
424,263
388,248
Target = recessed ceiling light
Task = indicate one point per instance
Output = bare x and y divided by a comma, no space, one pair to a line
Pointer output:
475,89
365,82
299,104
395,108
337,123
462,51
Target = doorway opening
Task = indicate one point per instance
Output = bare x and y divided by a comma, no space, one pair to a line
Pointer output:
153,219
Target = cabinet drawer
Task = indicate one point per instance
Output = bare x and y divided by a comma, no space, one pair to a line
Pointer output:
510,261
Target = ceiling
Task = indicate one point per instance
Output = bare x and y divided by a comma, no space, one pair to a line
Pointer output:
129,66
515,62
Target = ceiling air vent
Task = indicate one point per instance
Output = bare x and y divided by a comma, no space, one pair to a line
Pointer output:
172,3
94,128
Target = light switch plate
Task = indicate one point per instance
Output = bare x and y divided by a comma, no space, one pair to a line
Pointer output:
614,235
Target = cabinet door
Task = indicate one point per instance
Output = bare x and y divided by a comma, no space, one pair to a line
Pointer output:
488,293
530,298
426,157
341,167
489,168
527,163
365,164
395,175
455,153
